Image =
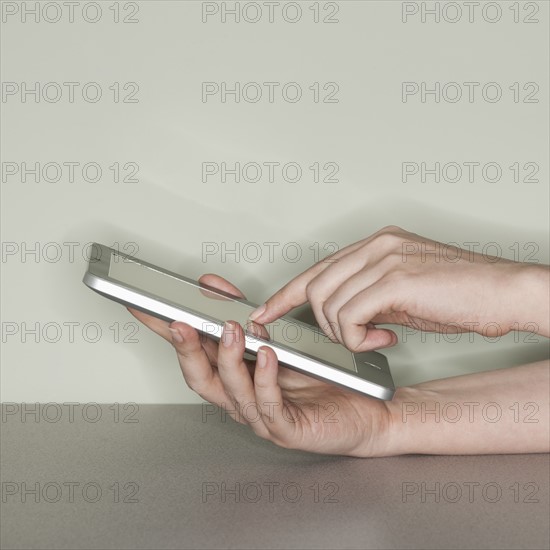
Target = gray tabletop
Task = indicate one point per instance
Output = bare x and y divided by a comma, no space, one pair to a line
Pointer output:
184,476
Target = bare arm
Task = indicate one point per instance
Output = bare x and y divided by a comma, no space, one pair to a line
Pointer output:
495,412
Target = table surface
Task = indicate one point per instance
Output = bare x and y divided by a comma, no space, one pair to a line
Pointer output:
184,476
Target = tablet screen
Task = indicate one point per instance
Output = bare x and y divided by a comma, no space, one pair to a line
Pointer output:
294,335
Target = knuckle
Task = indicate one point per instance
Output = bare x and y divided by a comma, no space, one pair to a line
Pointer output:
344,327
341,322
392,229
267,420
342,316
329,311
187,349
331,327
261,383
388,240
311,290
198,387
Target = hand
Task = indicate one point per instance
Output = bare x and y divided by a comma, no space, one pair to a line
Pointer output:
401,278
288,408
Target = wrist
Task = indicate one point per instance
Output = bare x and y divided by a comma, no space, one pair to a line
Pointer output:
403,436
532,295
396,431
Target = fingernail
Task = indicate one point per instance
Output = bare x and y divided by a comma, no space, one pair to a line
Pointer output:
176,336
257,312
262,358
228,336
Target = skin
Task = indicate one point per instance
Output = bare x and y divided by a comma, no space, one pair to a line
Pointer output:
389,277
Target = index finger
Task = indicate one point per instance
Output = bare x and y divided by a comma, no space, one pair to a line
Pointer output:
293,294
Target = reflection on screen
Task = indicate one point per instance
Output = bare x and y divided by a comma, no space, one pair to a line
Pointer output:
293,335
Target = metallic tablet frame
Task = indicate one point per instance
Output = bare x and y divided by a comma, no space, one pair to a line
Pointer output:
372,376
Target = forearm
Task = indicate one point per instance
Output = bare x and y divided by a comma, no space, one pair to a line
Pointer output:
495,412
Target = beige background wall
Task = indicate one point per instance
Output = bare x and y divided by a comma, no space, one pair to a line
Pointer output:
152,117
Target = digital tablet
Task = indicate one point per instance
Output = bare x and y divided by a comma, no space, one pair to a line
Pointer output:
172,297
